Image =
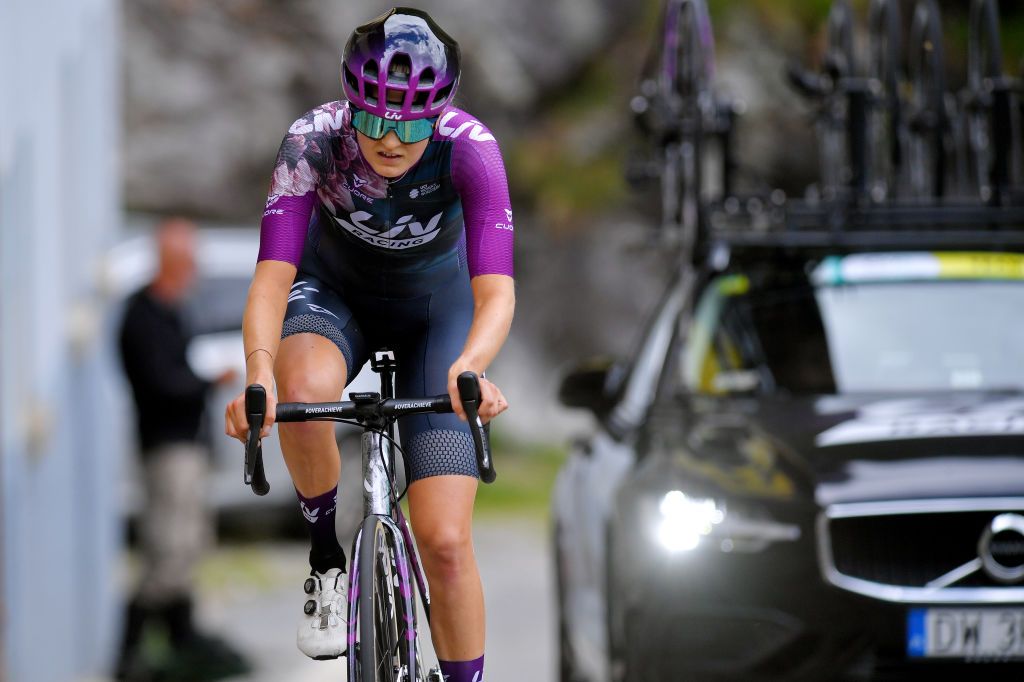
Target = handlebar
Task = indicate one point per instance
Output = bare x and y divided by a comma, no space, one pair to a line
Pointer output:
365,408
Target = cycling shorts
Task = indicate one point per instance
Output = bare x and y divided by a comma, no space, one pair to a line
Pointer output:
427,333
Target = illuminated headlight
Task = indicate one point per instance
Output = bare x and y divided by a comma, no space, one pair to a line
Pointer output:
685,520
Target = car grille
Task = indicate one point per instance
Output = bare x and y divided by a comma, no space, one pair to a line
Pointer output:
870,547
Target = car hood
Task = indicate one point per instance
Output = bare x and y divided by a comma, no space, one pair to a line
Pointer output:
835,449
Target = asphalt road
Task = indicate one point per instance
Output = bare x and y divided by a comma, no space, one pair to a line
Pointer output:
253,596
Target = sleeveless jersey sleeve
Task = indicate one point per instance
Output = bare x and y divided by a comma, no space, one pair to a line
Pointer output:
478,174
298,172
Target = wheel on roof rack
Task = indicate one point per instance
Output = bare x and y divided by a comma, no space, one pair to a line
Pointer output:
686,65
927,118
835,135
988,108
886,136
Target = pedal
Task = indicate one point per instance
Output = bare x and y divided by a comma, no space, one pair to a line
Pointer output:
435,675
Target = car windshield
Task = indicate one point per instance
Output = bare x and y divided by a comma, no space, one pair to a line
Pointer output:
933,335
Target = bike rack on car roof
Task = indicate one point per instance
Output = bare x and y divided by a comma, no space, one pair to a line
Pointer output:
912,165
746,228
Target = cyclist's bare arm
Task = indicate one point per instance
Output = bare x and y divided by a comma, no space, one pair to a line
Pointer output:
494,302
261,334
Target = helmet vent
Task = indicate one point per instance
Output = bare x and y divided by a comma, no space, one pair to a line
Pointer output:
442,95
419,101
372,94
396,98
351,79
426,77
399,69
370,69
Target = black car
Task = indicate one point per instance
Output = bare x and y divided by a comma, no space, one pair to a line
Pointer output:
812,469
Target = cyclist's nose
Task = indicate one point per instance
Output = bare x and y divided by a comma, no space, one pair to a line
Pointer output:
391,141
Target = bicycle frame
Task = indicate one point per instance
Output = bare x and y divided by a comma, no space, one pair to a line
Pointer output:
379,498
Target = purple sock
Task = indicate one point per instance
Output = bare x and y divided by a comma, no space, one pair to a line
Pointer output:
325,553
463,671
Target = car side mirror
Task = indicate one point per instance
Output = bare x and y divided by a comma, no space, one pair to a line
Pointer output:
594,385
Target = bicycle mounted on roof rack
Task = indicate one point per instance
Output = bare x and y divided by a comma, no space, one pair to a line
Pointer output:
904,163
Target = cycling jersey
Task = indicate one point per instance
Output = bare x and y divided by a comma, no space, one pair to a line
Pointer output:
388,262
390,237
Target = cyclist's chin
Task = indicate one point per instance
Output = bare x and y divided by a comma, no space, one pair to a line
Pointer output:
390,168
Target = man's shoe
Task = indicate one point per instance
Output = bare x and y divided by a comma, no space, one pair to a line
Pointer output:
323,628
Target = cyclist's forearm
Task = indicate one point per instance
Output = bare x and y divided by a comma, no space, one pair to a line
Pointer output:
264,314
494,302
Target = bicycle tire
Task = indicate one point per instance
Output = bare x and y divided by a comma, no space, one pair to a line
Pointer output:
885,134
685,81
928,89
989,109
386,649
834,136
840,60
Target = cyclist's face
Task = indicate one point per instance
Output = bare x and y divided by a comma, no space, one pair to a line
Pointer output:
389,156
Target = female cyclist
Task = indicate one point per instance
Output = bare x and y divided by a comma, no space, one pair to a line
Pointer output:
388,223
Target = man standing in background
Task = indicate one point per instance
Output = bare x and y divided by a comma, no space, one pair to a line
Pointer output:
175,526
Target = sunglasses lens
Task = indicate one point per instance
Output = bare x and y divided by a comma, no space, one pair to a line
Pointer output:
414,131
372,126
376,127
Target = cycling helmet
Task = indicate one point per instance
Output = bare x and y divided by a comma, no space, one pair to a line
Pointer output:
400,66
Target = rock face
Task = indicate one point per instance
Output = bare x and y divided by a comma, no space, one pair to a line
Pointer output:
211,87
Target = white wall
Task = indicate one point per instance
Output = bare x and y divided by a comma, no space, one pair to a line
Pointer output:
59,448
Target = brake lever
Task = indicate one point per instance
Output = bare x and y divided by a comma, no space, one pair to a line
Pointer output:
255,413
469,396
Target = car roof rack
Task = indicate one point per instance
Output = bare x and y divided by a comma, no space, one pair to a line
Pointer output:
755,223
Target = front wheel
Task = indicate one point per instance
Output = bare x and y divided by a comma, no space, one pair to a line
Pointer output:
387,619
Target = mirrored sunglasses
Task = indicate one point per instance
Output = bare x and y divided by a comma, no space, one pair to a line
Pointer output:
376,127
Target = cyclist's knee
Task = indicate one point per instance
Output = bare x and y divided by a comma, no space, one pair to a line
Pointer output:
447,549
309,369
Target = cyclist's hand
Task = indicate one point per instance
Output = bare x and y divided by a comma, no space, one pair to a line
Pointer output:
492,401
236,424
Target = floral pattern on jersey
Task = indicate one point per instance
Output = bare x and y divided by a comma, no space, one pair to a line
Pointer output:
320,153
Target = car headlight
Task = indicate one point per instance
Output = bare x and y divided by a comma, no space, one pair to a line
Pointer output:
685,520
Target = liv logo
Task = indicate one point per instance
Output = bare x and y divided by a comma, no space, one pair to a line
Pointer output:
476,129
391,115
404,234
310,514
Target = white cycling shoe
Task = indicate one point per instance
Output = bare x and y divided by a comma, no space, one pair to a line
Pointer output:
322,631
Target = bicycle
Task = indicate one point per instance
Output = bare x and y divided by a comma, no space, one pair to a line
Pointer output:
928,119
988,107
676,108
886,134
383,642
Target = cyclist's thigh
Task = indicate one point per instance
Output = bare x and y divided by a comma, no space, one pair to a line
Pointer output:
437,444
314,308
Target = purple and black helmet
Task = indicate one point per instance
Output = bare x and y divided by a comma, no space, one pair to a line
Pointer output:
401,66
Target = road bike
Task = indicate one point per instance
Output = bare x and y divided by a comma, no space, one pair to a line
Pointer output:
886,133
988,107
385,572
677,110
